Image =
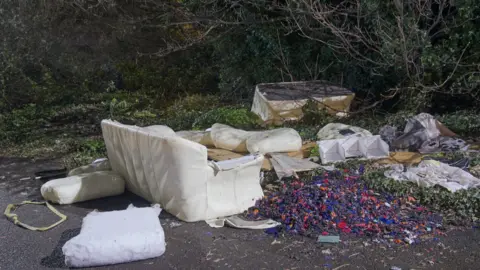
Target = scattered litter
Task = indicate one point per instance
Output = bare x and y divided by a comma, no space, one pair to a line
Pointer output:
337,203
275,242
354,254
328,239
50,174
341,266
175,224
327,252
14,217
116,237
371,147
239,223
83,187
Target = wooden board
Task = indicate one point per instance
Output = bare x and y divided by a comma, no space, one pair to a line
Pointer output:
402,158
222,154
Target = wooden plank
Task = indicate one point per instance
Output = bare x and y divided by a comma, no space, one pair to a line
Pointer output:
222,154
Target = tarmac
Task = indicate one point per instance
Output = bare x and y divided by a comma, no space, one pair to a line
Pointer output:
198,246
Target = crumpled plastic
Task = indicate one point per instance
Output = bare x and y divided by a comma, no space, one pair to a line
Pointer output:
431,172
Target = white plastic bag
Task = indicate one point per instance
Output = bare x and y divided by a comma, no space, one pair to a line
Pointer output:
275,140
117,237
83,187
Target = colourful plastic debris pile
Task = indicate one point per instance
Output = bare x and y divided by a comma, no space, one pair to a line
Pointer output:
339,203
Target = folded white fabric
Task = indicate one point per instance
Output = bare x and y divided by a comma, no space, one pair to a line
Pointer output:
83,187
117,237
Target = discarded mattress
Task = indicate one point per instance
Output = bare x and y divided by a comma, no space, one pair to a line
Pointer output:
340,131
268,141
275,103
116,237
371,147
83,187
431,172
175,172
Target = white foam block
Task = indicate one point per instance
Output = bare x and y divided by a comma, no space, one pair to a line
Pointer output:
83,187
116,237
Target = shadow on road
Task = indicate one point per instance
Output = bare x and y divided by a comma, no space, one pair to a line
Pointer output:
57,259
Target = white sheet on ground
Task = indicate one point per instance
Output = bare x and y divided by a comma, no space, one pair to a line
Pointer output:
175,172
117,237
83,187
286,166
239,223
431,172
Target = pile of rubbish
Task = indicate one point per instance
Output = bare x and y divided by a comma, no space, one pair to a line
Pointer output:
215,175
339,203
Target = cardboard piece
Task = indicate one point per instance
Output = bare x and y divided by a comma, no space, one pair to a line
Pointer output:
373,147
351,146
222,154
331,150
402,158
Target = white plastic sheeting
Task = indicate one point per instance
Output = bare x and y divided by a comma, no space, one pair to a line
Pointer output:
175,172
427,121
268,141
340,131
431,172
117,237
83,187
370,147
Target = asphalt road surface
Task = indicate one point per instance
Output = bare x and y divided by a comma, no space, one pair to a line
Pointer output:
198,246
